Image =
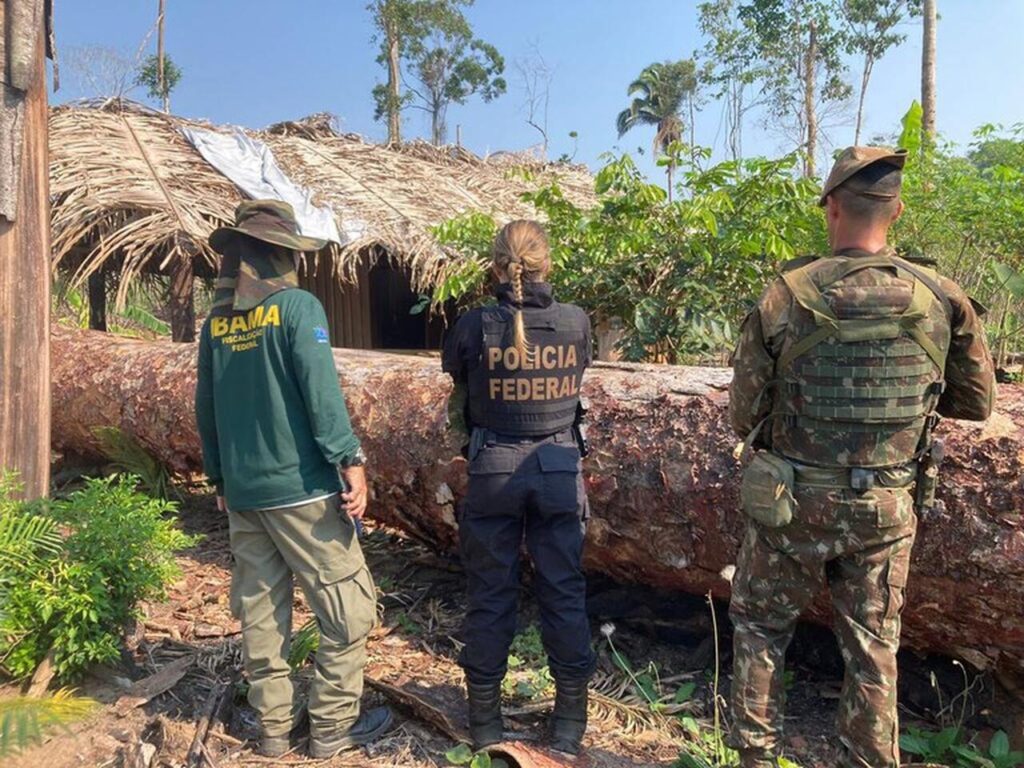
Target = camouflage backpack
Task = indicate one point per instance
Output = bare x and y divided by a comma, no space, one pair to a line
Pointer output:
861,371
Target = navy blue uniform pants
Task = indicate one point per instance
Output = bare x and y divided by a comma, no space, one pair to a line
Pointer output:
532,490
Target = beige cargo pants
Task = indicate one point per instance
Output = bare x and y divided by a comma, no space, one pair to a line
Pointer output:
317,544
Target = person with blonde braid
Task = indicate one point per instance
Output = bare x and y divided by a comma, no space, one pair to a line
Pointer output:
518,366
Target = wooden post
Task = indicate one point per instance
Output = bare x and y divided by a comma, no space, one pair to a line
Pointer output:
25,298
98,300
181,299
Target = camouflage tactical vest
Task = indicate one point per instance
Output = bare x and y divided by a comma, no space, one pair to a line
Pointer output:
861,368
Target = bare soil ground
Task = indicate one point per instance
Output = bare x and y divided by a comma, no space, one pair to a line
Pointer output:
667,639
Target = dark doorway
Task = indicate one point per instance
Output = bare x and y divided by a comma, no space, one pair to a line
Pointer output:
392,300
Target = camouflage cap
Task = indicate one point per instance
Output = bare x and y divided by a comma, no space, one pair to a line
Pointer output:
854,159
272,221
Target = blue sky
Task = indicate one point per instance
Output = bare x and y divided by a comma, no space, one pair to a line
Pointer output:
255,62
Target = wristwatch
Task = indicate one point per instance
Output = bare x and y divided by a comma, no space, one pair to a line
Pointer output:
356,460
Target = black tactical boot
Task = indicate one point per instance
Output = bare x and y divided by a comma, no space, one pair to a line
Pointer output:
569,718
485,725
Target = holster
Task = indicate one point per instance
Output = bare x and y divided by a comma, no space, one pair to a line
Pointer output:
579,429
927,480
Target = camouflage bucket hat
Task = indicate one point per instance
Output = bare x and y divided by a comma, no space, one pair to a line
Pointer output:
854,159
271,221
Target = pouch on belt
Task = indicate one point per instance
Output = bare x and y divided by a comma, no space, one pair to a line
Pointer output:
766,493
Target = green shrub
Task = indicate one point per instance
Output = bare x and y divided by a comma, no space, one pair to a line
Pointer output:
528,675
76,599
951,747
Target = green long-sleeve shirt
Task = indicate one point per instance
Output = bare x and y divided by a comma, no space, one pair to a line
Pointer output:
270,411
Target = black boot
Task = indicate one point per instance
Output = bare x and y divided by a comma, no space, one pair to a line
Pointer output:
485,725
569,718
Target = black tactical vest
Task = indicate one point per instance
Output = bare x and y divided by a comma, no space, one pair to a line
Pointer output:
538,396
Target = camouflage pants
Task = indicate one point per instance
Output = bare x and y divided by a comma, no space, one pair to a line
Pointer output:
859,543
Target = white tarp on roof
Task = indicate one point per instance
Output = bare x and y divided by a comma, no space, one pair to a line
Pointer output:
250,164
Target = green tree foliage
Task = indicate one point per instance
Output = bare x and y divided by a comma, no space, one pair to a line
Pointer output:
681,274
966,216
148,77
659,94
442,63
871,30
798,45
988,152
729,67
75,597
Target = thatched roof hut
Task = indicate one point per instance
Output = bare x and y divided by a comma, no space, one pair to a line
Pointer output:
131,195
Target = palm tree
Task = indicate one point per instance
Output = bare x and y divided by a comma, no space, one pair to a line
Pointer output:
659,94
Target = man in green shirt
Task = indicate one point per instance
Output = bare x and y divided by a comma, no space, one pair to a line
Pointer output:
275,432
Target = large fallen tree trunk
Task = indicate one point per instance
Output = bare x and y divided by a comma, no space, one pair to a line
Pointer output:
662,477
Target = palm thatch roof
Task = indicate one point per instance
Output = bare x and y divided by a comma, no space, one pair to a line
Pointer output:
128,188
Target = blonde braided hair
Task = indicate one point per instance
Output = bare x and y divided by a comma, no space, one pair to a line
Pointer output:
522,254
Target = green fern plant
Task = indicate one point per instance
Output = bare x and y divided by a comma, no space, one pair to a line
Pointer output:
25,535
125,453
23,719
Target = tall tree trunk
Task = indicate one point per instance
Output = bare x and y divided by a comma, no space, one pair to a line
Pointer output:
865,77
97,287
394,82
182,301
810,92
928,73
437,122
661,478
25,252
669,171
735,107
693,129
160,74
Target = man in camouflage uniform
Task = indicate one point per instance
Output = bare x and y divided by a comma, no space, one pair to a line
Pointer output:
840,374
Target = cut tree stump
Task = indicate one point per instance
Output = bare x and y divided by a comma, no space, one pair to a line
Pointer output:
662,479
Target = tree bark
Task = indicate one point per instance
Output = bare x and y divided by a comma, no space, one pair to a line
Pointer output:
160,74
928,73
394,80
662,479
25,253
438,129
865,77
810,92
